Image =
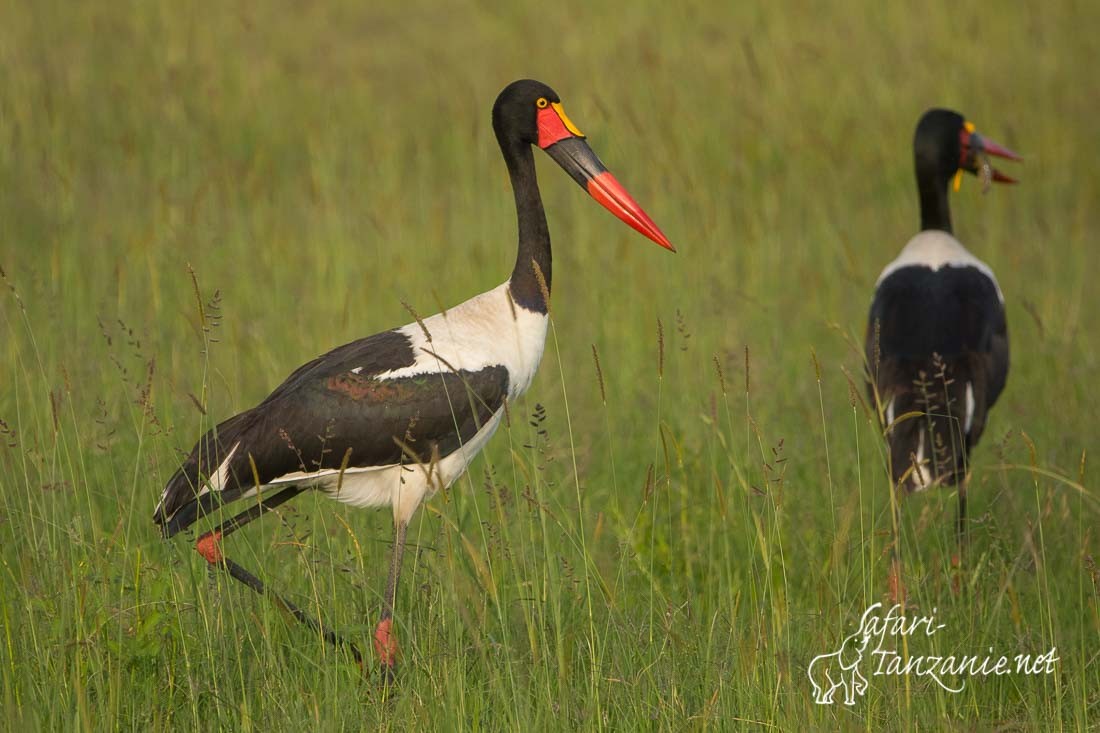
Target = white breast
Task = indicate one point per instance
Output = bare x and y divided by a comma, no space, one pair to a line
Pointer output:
934,249
487,330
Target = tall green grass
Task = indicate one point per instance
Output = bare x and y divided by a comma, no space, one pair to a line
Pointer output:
194,199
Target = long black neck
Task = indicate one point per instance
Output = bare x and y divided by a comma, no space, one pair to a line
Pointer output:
934,210
534,236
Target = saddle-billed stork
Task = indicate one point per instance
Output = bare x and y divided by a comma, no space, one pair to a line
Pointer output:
392,418
937,342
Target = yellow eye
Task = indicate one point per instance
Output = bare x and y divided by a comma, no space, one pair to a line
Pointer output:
542,103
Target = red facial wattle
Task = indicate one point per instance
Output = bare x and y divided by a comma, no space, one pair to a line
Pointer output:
551,128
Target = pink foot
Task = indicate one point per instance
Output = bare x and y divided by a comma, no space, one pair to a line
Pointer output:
209,546
385,643
897,586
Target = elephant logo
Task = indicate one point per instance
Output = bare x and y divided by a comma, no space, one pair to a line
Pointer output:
840,669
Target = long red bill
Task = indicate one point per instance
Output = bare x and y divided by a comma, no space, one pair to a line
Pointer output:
992,148
987,148
613,197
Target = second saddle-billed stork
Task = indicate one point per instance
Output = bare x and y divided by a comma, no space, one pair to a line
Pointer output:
937,342
392,418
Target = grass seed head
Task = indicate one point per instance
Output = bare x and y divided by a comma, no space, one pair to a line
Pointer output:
599,374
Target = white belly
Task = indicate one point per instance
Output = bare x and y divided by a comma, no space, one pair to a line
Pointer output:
401,486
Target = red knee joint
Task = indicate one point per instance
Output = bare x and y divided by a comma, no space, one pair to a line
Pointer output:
385,643
209,546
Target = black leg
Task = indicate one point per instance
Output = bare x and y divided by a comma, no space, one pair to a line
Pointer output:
961,535
896,580
209,546
962,529
385,643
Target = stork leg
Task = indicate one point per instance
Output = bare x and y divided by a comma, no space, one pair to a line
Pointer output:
962,531
961,536
896,579
209,546
385,643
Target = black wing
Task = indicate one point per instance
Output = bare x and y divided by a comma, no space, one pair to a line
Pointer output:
325,415
930,336
947,311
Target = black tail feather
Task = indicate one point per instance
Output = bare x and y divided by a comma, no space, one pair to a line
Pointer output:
933,446
181,503
191,512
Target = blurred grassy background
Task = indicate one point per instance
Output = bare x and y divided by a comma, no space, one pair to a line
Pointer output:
669,558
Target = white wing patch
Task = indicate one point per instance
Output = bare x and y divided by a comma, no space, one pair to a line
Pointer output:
935,249
216,482
920,476
969,407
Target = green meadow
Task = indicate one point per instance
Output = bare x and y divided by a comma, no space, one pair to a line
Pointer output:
690,503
